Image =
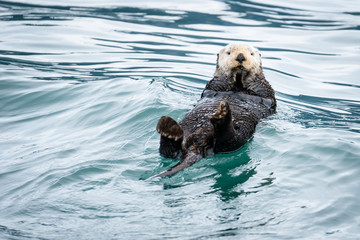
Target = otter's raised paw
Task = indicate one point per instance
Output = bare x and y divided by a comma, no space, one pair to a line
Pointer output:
169,128
222,111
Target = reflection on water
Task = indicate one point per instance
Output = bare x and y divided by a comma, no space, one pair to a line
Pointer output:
236,171
83,84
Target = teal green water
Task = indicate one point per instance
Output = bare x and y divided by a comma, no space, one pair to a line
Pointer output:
83,83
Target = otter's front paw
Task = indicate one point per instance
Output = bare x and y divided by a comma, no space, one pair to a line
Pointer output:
169,128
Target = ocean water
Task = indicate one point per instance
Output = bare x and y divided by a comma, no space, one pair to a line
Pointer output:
83,84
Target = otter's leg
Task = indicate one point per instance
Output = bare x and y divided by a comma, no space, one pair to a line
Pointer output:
171,137
224,132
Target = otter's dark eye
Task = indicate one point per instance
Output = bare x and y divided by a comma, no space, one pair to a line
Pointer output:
252,54
228,53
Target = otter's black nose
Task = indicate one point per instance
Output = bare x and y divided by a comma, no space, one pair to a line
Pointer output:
240,58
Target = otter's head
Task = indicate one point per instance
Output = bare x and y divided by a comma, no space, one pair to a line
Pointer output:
237,57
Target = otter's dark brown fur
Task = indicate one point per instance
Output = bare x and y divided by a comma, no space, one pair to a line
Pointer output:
225,117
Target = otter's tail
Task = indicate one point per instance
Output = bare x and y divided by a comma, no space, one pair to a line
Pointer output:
189,159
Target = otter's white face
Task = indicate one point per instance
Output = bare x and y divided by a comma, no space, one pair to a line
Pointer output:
239,55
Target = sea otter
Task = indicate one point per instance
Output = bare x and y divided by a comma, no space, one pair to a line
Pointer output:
225,117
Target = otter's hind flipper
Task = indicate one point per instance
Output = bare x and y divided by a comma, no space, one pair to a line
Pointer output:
171,137
224,133
222,117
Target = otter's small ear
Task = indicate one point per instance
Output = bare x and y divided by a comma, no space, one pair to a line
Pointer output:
217,61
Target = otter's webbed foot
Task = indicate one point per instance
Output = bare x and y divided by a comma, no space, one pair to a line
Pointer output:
171,137
224,133
222,116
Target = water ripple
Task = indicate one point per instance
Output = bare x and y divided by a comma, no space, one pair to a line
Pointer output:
83,84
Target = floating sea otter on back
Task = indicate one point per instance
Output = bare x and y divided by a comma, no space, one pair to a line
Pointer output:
225,117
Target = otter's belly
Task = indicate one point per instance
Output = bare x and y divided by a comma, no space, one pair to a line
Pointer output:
243,107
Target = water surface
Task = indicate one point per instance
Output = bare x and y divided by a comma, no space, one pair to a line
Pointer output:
82,85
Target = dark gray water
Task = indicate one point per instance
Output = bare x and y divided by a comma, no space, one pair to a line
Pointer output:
83,83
